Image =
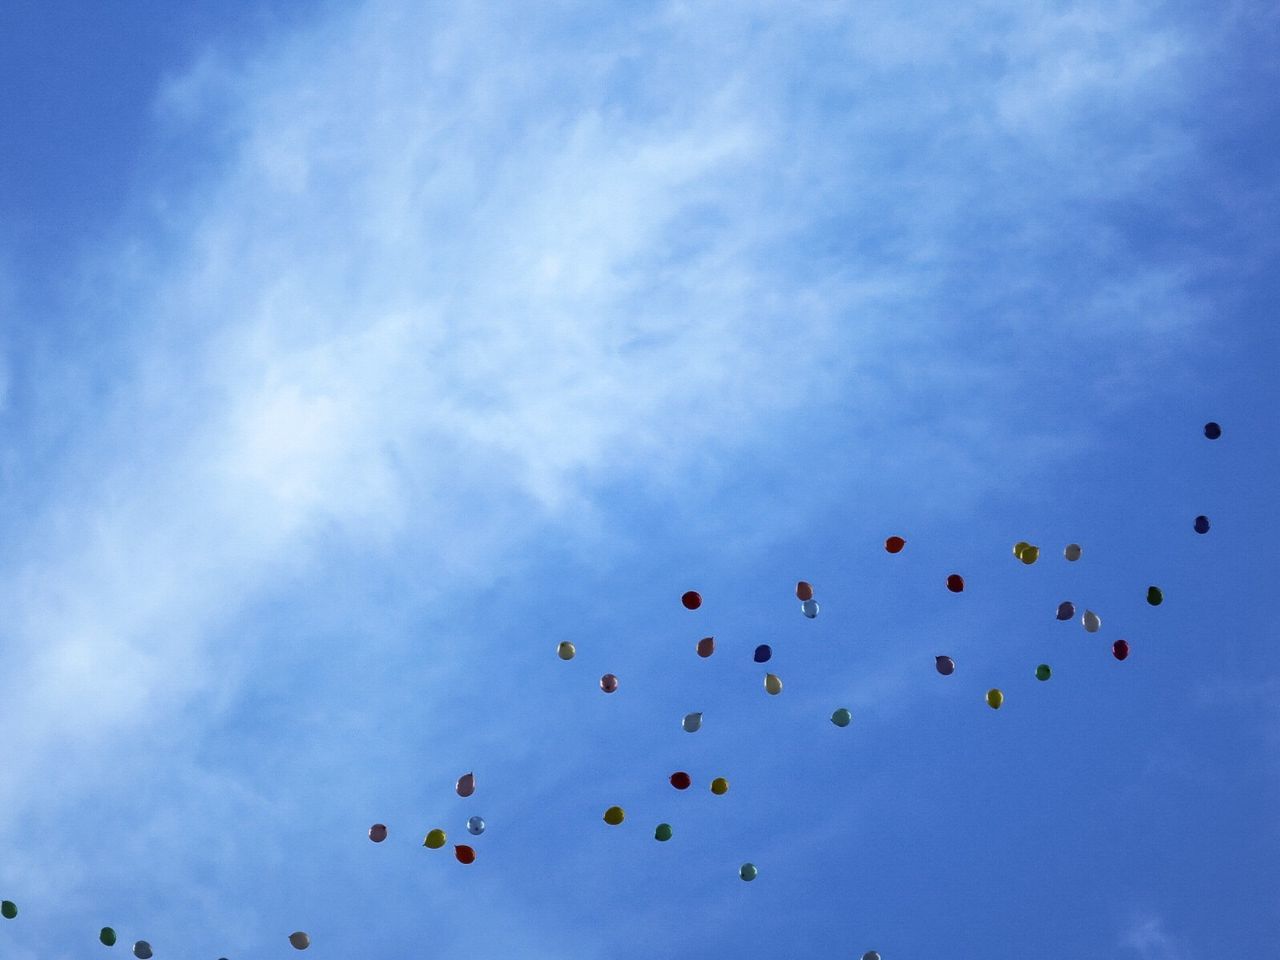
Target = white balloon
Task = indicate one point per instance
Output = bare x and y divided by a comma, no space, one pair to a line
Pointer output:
1091,621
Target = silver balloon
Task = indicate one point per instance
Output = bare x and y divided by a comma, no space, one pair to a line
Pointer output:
1091,621
1072,552
692,722
142,950
809,608
871,955
475,826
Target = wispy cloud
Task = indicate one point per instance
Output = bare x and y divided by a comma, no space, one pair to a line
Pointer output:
1148,937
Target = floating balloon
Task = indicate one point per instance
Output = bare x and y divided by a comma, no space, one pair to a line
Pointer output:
692,722
475,826
1212,430
681,780
1120,649
842,717
613,816
8,909
772,684
1043,672
1154,596
1030,554
663,833
955,583
763,653
1019,547
706,646
142,950
804,590
894,544
464,854
944,665
466,785
435,839
719,786
378,832
1202,524
1072,552
1091,621
108,937
608,683
299,940
691,600
809,608
1066,610
994,699
566,650
748,872
871,955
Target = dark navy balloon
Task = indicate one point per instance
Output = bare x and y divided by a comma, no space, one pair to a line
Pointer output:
1212,430
1202,524
1066,610
945,665
763,653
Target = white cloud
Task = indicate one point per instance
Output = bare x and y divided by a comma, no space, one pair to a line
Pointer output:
1148,937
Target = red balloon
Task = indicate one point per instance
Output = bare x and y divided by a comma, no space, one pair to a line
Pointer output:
1120,649
804,590
692,600
955,583
608,683
894,544
681,780
706,646
378,832
464,853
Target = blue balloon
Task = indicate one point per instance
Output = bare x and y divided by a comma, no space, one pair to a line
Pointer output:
1202,524
475,826
809,608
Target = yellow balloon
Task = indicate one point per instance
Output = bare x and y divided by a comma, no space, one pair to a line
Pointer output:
994,699
1030,554
719,786
613,816
566,650
1019,547
435,839
772,683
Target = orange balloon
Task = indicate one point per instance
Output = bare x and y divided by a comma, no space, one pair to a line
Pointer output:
804,590
895,544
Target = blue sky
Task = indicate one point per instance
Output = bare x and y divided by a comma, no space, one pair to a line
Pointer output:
352,358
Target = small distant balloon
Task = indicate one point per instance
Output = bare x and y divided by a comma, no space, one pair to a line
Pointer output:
772,683
466,785
566,650
614,816
378,832
994,699
475,826
894,544
681,780
692,600
1202,524
1154,596
299,940
706,646
842,717
1030,554
692,722
1091,621
871,955
1212,430
1019,547
955,583
748,872
763,653
1120,649
663,833
608,683
944,665
809,608
1072,552
107,937
804,590
1066,610
142,950
719,786
1043,672
463,853
8,909
435,839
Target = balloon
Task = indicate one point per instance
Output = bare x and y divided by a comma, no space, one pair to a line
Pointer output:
613,816
1066,610
464,854
1019,547
466,785
1212,430
566,650
8,909
378,832
1043,672
692,722
142,950
1030,554
706,646
719,786
871,955
681,780
894,544
772,684
763,653
108,937
1202,524
435,839
804,590
691,600
955,583
945,665
475,826
842,717
299,940
1072,552
663,833
608,683
1154,596
1091,621
748,872
1120,649
994,699
809,608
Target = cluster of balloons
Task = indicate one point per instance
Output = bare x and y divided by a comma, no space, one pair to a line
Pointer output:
808,605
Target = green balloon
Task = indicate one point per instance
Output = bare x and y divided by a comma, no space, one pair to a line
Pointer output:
748,871
1154,596
663,832
841,717
108,936
1043,672
9,909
